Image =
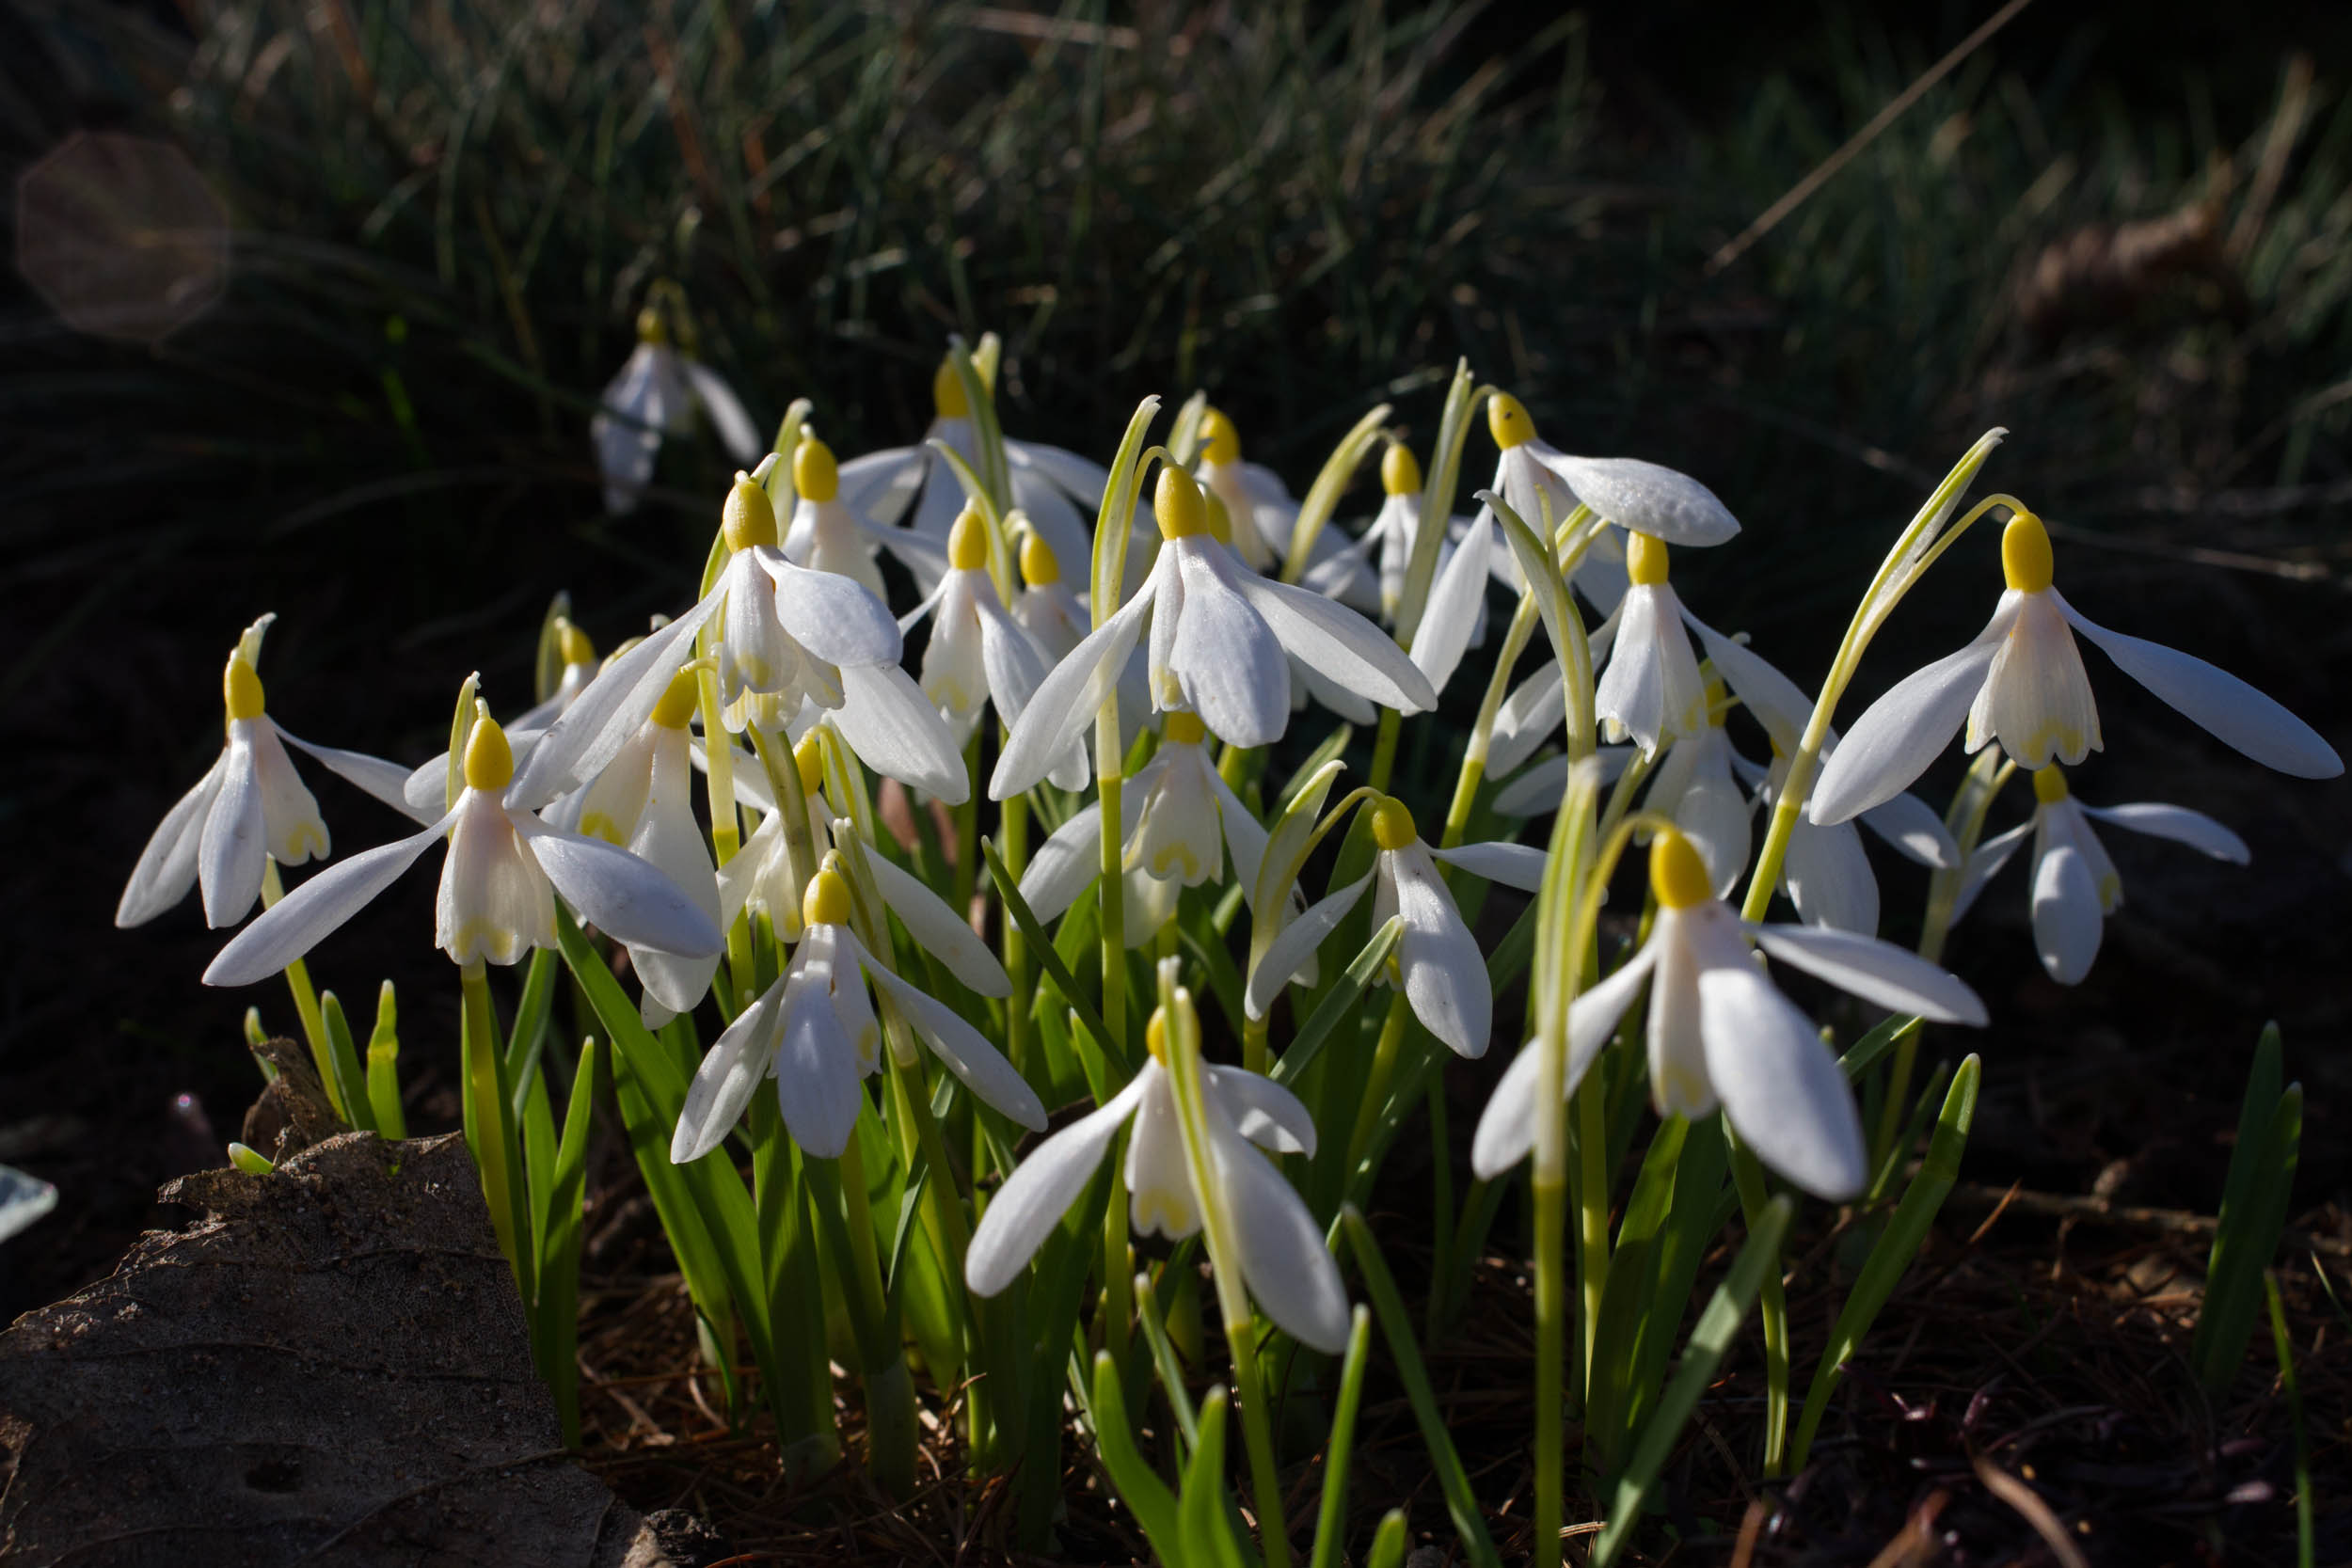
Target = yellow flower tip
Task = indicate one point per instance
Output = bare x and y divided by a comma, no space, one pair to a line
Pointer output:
1176,502
2025,561
1400,475
814,475
750,517
1039,566
678,705
1393,824
1644,559
827,900
1220,441
1183,727
1677,874
572,643
967,542
649,327
2049,785
490,760
241,688
1156,1035
947,392
1507,420
1221,521
810,760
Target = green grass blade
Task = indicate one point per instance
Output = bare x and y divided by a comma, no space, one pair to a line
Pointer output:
1139,1487
1164,1358
2306,1546
2245,1241
1331,1520
1340,1003
1203,1510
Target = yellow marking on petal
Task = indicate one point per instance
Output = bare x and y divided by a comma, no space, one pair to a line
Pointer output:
490,760
1400,475
596,824
650,328
1677,874
308,840
1158,1211
1507,422
1176,502
2026,562
572,643
814,475
827,900
749,517
1176,859
810,759
1644,559
947,392
241,688
1183,727
967,542
678,705
2049,785
1039,566
1221,521
1393,824
1156,1035
488,940
1220,443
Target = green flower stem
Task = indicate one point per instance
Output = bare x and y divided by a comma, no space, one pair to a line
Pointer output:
1772,1305
965,852
306,1001
726,830
490,1126
1118,1280
1110,889
1591,1210
1384,749
783,779
1375,1095
1013,838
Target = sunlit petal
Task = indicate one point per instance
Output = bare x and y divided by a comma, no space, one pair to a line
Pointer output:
167,867
1898,735
1040,1190
306,916
1880,972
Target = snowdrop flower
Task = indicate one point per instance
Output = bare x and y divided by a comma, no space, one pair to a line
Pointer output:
1220,637
979,653
1387,539
1437,962
496,900
815,1032
1283,1260
656,394
788,638
1721,1033
1265,516
1055,618
1179,822
578,655
2075,883
2022,683
1059,490
426,788
249,808
1543,484
827,535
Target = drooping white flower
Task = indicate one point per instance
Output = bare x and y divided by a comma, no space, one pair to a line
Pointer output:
426,790
1721,1033
656,394
1442,969
1284,1261
1180,822
789,636
1543,484
1220,635
2075,886
2022,683
497,884
1265,516
815,1032
249,808
828,536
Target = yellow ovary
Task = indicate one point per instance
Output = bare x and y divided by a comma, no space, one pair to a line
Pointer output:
967,542
241,688
2025,561
2049,785
947,392
827,900
572,643
1644,559
1040,567
1400,475
1220,443
1182,726
749,517
814,475
1507,422
1393,824
1677,874
1176,502
490,760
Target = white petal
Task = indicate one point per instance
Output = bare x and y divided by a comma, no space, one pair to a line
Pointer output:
2036,700
386,780
1651,688
1454,602
1518,866
1179,837
1911,825
1070,535
2178,823
1829,879
1337,699
1712,811
1339,645
1225,658
878,485
2067,917
1067,701
1283,1260
1880,972
817,1066
1507,1129
1646,497
1040,1190
669,840
1535,791
1534,708
234,849
613,802
1444,971
1781,1087
494,904
1065,866
1160,1198
982,1067
727,416
1245,839
833,617
1984,864
1296,944
1151,904
932,924
618,893
1081,478
1676,1036
1261,1110
723,1085
895,731
300,919
167,867
602,718
1778,703
1898,735
2233,710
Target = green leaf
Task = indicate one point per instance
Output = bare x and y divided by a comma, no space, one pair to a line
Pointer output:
1140,1488
350,1083
1388,1542
1056,969
1164,1360
1331,1520
1339,1005
2254,1217
1626,1301
1203,1511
